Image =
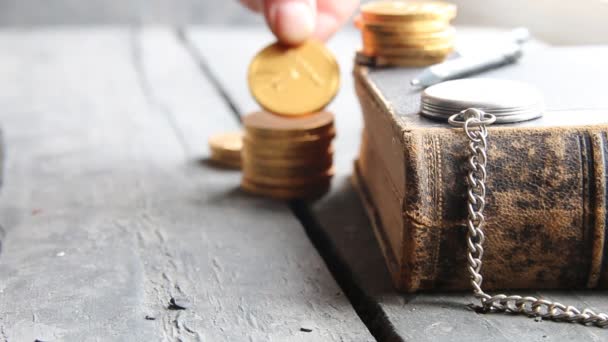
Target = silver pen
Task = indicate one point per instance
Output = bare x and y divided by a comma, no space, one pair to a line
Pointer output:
466,65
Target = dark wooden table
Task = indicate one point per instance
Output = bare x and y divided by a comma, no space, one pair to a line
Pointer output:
110,209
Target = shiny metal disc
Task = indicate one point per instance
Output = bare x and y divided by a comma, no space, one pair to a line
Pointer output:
509,101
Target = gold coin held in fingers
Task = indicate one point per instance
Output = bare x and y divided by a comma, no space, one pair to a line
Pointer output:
294,81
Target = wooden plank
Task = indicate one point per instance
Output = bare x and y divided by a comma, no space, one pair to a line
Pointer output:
339,224
110,213
265,281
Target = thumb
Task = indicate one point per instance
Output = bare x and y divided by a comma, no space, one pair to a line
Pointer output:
291,21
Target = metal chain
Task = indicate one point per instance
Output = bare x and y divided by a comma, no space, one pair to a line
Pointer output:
474,122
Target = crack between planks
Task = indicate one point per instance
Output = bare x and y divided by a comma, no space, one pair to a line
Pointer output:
162,285
146,88
200,60
369,311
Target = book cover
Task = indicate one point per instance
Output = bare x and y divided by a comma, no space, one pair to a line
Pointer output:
546,212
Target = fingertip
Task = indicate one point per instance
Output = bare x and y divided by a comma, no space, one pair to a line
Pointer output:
332,15
327,25
292,21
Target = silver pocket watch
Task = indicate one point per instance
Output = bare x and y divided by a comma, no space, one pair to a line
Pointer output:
507,101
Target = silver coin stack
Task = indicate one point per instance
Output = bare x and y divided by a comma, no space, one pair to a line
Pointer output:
509,101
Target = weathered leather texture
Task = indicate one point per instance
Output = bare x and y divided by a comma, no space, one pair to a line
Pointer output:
546,200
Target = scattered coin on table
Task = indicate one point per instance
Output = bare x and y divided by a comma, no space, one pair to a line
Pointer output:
226,149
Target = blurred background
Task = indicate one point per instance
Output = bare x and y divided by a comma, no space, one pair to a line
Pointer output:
555,21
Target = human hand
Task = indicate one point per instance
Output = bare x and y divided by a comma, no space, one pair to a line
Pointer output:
294,21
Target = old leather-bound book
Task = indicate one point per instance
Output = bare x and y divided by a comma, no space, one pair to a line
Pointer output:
547,180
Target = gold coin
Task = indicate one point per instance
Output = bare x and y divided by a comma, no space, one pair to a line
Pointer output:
305,152
413,27
363,59
299,142
285,193
258,137
264,124
302,156
312,183
292,162
388,61
227,162
387,11
229,142
225,155
427,38
221,155
226,148
295,181
409,52
268,122
381,61
289,147
278,174
396,48
257,168
294,81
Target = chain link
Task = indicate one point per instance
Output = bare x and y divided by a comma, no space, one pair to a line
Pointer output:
475,123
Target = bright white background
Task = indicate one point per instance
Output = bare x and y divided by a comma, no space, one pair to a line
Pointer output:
555,21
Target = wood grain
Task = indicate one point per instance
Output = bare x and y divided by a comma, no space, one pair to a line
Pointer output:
111,209
339,225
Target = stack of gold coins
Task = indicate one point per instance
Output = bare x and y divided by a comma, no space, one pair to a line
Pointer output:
287,148
226,149
406,33
287,157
